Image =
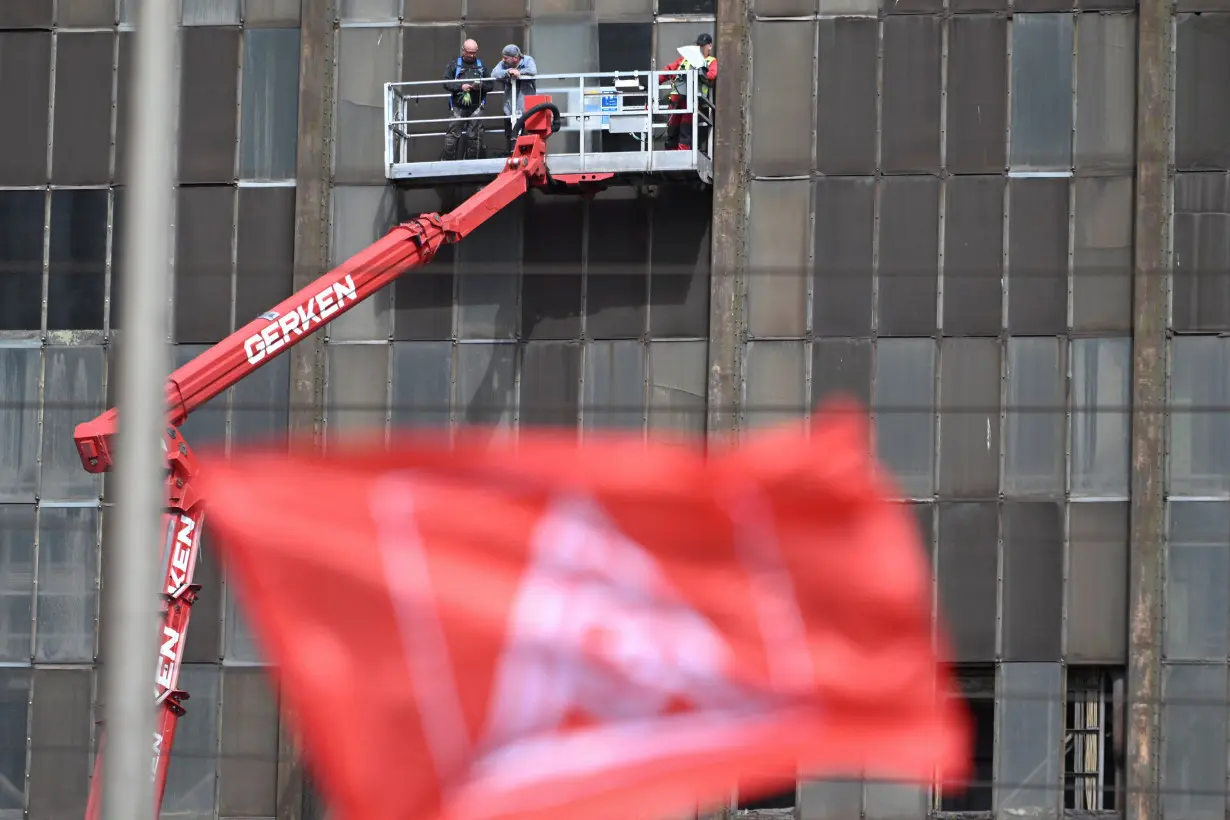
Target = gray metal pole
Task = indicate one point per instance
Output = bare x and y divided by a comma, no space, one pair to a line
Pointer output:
132,592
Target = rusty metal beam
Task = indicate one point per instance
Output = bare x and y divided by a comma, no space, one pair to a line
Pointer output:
728,248
1150,274
313,172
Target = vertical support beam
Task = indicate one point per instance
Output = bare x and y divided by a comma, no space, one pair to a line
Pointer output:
728,249
1150,274
314,173
728,231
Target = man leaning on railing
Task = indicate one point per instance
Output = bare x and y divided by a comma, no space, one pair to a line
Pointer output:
468,84
521,67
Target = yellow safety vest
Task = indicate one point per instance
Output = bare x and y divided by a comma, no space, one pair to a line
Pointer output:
681,85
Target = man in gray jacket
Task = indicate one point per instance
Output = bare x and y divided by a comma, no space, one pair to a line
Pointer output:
522,67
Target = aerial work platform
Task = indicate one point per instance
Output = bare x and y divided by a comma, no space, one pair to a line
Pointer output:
611,123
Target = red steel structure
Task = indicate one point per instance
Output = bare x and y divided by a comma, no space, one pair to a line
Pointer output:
405,247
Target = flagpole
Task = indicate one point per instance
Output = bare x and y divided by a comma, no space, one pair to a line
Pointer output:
131,594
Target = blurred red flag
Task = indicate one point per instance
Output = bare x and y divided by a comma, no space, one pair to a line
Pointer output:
612,630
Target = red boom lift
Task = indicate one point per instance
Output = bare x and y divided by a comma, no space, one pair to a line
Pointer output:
406,246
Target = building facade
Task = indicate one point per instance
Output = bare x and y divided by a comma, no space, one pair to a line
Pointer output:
946,207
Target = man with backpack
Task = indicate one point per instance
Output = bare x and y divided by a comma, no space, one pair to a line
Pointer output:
468,83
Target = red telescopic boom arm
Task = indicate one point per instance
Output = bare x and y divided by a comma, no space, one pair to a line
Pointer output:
271,334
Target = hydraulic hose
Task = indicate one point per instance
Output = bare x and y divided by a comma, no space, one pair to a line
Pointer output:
519,127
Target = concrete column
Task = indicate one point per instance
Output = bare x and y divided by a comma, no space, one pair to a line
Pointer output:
314,171
1150,269
728,251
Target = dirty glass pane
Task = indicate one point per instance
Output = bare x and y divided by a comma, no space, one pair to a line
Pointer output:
1194,715
1038,256
1201,107
206,427
423,303
841,367
1200,295
61,721
677,376
487,385
488,264
192,774
422,384
844,247
1034,440
1097,582
248,771
781,132
973,255
670,36
846,99
77,260
679,260
269,12
81,153
16,580
551,272
1032,570
904,398
977,94
830,799
909,255
969,417
23,150
366,60
776,386
207,125
614,385
21,258
14,709
361,215
85,13
1041,94
910,105
894,801
356,389
238,639
1199,426
260,406
1029,768
967,567
20,370
67,578
369,11
211,12
269,127
1102,254
73,394
563,48
550,383
617,265
1101,418
779,243
1198,581
1105,91
205,231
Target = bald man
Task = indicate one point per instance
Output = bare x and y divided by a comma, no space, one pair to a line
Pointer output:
468,83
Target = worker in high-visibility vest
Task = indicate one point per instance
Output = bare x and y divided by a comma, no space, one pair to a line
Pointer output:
679,126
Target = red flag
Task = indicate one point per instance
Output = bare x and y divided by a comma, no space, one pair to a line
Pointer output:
550,630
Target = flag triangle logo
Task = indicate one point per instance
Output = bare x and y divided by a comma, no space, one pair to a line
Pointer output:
602,654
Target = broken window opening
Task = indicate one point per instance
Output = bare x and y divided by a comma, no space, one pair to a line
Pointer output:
1091,740
977,686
